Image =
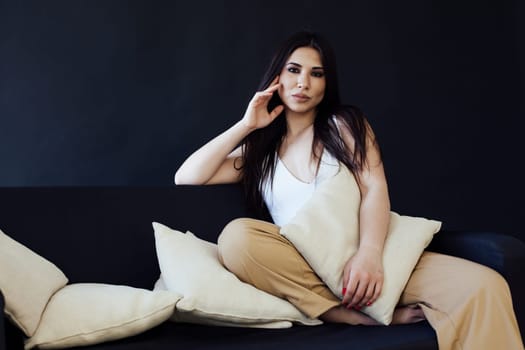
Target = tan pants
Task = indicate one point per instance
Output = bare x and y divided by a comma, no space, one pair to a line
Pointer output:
468,305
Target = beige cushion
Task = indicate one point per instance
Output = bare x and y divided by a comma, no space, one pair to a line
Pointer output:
211,294
326,232
198,317
90,313
27,281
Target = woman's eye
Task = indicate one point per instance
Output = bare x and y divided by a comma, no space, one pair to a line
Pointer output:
318,74
293,70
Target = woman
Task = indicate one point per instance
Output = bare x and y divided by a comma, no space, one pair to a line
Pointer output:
292,137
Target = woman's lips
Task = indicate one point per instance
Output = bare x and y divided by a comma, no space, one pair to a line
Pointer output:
300,97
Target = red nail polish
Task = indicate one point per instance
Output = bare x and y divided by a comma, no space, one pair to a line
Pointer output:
358,307
344,291
368,304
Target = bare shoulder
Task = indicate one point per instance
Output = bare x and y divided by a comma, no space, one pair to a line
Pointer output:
365,138
344,131
360,123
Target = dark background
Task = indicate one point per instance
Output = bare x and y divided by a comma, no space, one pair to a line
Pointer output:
118,93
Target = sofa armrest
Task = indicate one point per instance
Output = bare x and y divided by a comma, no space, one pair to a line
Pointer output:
503,253
3,345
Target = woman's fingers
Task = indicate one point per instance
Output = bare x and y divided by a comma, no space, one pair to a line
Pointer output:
367,299
265,95
274,85
272,88
355,289
377,292
369,296
262,97
257,114
358,295
349,291
276,111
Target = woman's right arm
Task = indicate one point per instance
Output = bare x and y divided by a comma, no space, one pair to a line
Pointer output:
215,162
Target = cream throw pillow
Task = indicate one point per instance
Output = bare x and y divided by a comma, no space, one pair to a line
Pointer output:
326,232
27,281
198,317
90,313
212,294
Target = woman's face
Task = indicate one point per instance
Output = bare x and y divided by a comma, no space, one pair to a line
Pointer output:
302,80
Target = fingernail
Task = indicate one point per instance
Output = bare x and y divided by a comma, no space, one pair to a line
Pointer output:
358,307
344,291
369,303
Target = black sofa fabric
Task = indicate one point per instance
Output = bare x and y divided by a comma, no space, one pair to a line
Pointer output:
104,235
2,325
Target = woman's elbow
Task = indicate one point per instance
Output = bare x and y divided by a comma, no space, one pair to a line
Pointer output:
180,179
183,179
176,179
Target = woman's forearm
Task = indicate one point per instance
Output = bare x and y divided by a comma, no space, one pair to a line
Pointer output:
374,218
215,161
200,167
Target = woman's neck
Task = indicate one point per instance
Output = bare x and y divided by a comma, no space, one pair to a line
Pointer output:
296,123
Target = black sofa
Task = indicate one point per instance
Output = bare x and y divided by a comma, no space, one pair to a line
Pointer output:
78,228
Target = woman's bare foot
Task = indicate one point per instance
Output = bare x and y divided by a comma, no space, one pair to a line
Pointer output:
402,315
408,314
341,314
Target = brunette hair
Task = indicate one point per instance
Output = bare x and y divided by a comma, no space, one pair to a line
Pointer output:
261,146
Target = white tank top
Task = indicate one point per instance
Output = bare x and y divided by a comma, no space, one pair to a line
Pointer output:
288,193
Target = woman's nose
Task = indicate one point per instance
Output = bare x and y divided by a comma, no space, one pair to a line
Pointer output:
303,82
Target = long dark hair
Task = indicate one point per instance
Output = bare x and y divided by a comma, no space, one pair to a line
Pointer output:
261,146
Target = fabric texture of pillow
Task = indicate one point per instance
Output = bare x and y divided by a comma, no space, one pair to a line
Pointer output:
326,232
212,294
90,313
27,281
202,318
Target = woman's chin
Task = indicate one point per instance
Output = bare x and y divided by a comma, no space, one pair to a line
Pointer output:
299,109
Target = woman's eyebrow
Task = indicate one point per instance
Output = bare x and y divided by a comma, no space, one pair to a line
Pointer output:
298,65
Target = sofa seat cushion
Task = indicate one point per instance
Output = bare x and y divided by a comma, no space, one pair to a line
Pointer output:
169,336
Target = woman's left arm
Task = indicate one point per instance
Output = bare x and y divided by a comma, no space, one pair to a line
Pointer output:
363,273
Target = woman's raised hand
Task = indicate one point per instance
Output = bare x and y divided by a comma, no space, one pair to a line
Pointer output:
257,115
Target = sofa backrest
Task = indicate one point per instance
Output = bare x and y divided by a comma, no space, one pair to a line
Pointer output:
104,234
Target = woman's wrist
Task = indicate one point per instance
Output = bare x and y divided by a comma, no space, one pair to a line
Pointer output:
244,128
371,249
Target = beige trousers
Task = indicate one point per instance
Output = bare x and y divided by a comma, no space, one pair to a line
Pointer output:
468,305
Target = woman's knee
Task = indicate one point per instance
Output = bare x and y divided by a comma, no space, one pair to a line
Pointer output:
233,235
496,281
484,281
234,241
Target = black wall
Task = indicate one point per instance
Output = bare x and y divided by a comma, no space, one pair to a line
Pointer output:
120,92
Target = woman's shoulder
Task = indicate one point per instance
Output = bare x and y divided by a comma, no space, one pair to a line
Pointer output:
352,125
346,112
352,119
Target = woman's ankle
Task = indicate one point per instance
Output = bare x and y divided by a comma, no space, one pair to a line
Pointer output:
408,314
340,314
